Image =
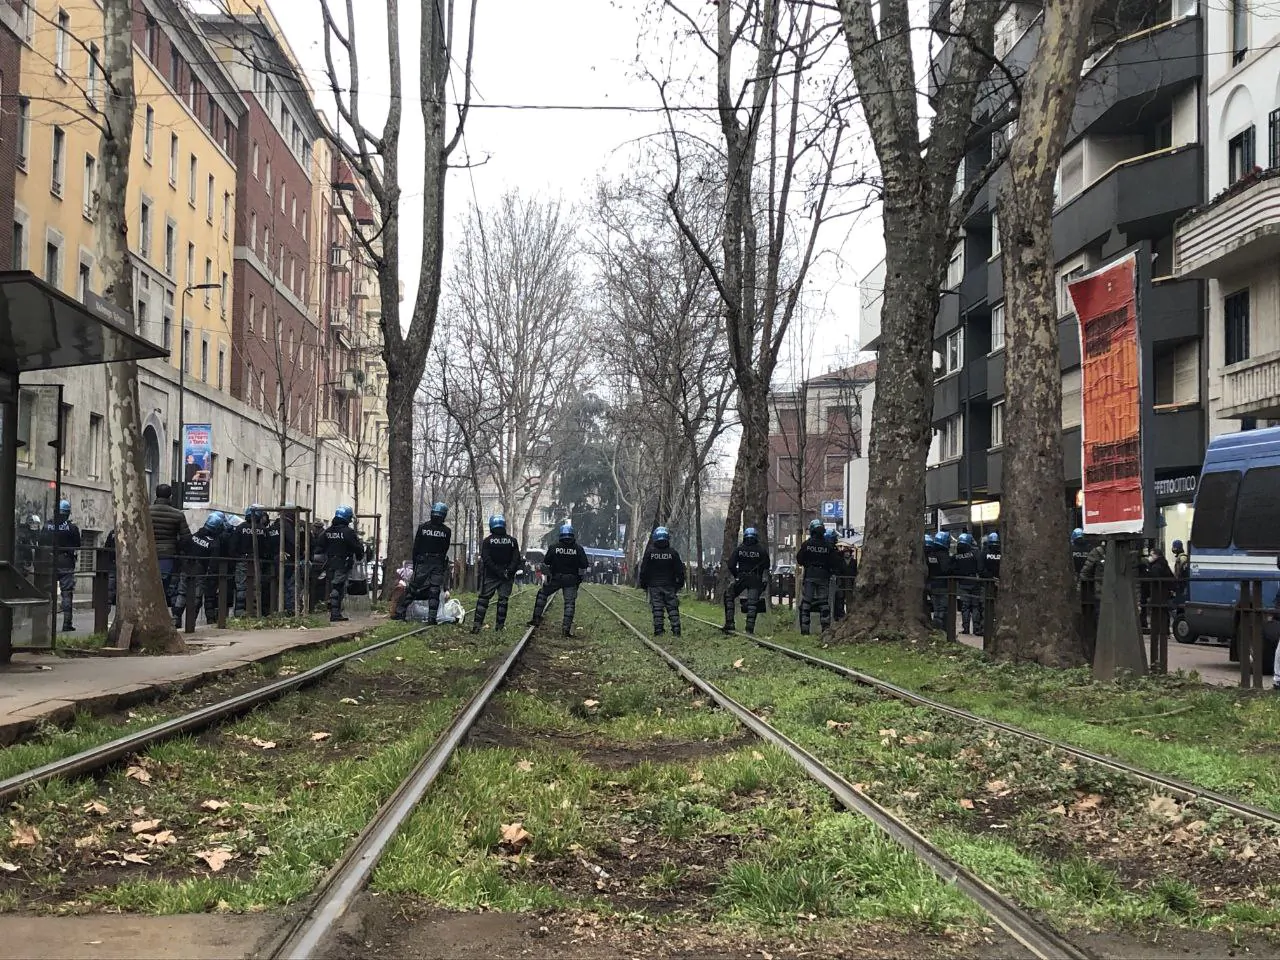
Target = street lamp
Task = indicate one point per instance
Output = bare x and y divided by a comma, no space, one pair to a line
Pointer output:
179,474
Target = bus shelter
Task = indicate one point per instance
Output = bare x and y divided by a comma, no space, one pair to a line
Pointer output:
41,328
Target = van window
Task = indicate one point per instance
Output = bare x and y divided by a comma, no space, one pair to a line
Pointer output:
1258,510
1215,510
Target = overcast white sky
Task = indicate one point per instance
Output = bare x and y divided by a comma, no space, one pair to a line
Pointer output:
554,52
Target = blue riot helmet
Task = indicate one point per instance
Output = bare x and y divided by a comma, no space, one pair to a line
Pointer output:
64,507
215,521
566,531
497,522
993,538
750,534
661,534
816,526
929,541
1077,534
830,536
967,539
943,539
343,513
439,511
254,510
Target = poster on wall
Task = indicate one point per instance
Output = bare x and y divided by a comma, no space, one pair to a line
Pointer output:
1106,302
197,454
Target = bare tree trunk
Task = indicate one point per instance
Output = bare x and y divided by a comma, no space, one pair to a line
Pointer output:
142,615
733,518
1037,619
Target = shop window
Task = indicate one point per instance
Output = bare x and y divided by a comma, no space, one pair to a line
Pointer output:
1215,510
1257,521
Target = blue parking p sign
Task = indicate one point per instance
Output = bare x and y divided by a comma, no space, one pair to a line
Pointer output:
832,509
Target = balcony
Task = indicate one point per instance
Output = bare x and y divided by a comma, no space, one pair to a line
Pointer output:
1237,230
1252,388
1142,194
948,313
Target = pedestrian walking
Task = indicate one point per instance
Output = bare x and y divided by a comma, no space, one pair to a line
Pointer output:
564,566
430,564
748,569
342,548
169,527
197,571
63,537
816,556
500,558
1181,572
662,576
964,566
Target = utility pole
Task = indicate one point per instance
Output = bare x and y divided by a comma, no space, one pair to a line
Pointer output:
179,475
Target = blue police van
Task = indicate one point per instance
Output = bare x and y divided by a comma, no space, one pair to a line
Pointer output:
1235,533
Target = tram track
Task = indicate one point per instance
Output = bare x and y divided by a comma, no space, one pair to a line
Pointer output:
1038,938
1179,789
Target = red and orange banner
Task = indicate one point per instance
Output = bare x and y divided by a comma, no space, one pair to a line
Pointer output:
1106,302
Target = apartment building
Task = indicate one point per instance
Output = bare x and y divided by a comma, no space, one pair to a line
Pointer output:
11,29
1233,240
1133,164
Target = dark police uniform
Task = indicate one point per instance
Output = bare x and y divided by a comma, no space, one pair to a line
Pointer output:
63,537
342,548
565,565
662,575
990,563
818,559
749,566
965,565
499,560
430,567
938,564
199,555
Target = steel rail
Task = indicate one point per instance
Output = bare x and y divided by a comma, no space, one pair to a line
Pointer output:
103,755
1041,940
1178,788
349,875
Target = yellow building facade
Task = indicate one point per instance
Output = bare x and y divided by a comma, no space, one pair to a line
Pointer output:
182,175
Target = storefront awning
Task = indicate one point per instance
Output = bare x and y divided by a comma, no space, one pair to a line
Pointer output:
42,328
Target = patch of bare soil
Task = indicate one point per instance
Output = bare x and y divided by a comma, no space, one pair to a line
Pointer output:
387,927
116,937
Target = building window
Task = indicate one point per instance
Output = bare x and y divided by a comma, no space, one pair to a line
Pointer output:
53,263
170,248
951,437
58,166
1177,374
95,446
953,352
1241,155
166,331
1071,414
24,132
1273,137
84,281
253,231
997,327
222,367
62,42
186,350
148,134
144,232
151,38
1239,30
267,179
211,188
19,245
173,160
91,82
224,295
995,234
955,266
208,279
226,213
1235,310
28,20
204,359
193,171
90,186
1066,306
64,451
997,424
253,312
256,169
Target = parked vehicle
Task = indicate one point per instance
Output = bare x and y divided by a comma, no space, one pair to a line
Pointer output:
1235,534
782,584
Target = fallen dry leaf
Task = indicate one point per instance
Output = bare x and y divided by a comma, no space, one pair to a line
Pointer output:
350,701
757,755
1164,808
264,744
515,836
524,766
966,803
320,735
88,841
890,733
262,852
1060,810
8,867
134,858
215,805
737,664
216,859
999,787
838,726
164,838
910,794
1090,801
143,826
98,807
591,704
23,835
1248,853
139,774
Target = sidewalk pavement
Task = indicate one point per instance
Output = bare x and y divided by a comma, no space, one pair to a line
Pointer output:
40,687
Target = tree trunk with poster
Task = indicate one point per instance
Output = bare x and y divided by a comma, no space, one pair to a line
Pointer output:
1037,608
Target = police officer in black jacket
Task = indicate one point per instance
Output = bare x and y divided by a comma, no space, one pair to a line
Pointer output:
818,559
499,561
430,564
198,554
63,537
342,548
749,567
250,550
565,566
662,576
937,558
282,540
964,566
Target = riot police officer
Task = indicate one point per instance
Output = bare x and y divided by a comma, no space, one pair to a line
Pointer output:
430,564
198,553
342,548
282,547
662,576
937,556
564,565
749,567
989,564
964,566
63,537
499,561
250,551
1079,551
817,558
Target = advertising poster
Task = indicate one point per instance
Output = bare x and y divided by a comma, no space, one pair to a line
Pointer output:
1111,398
197,454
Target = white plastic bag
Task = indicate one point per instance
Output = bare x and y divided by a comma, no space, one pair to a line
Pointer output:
451,612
